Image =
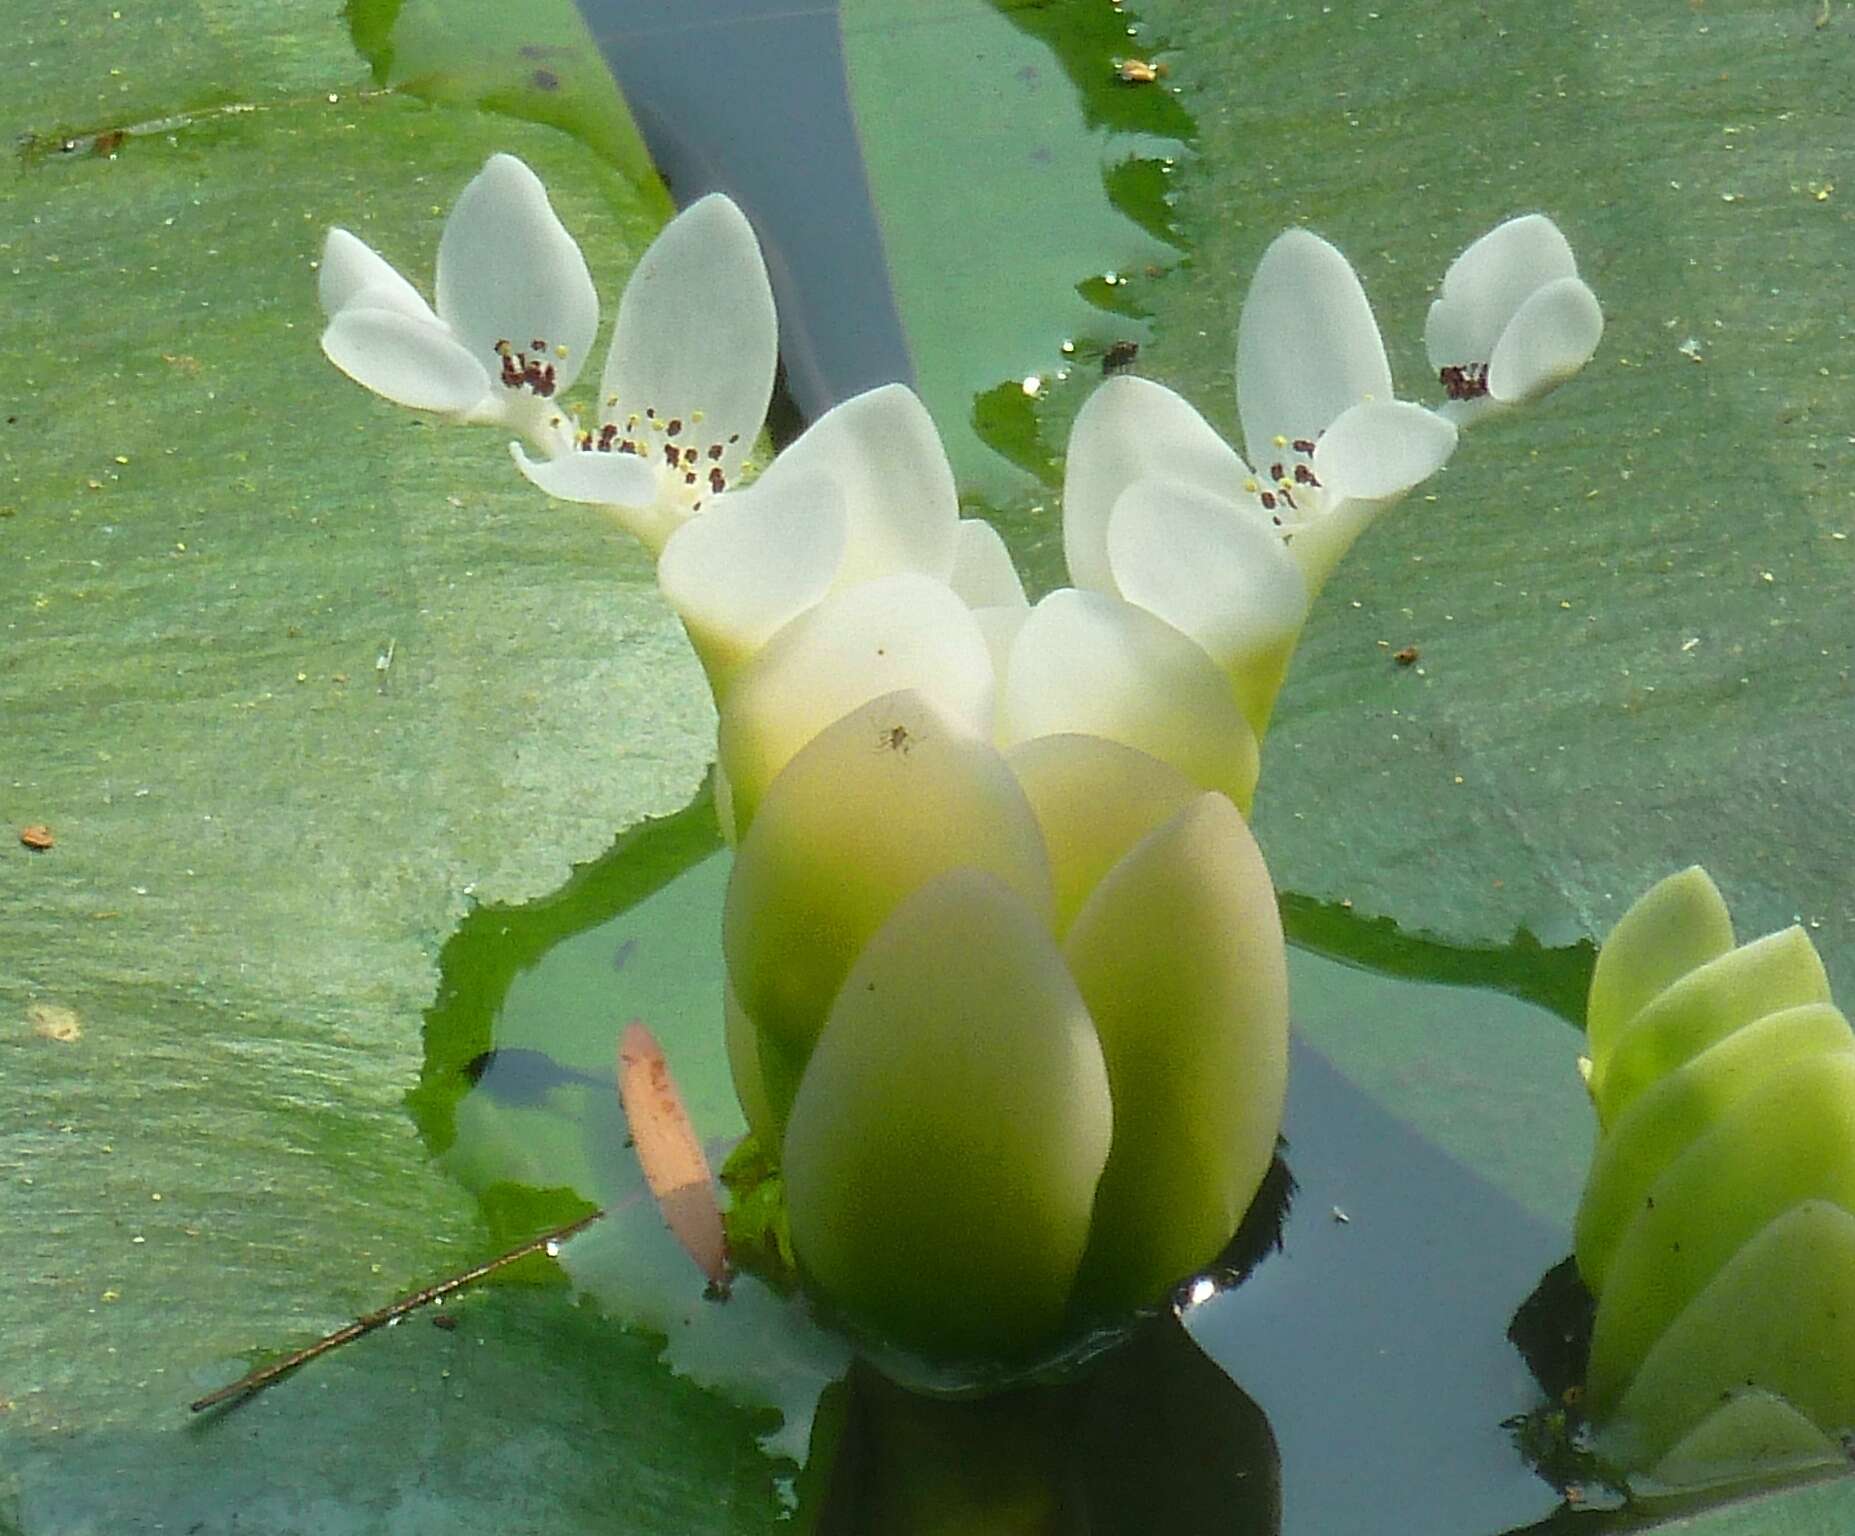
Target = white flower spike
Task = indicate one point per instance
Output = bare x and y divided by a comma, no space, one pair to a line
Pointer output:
1160,511
686,384
1513,321
1330,445
516,311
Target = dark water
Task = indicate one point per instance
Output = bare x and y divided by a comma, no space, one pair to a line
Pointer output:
747,97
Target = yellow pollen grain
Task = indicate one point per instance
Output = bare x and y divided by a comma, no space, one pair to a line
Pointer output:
1251,486
695,418
560,349
1280,441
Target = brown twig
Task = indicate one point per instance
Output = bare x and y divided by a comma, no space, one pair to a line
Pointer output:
256,1381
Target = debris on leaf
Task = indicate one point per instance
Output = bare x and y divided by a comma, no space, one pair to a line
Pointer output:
1119,357
1407,656
1139,72
671,1154
38,836
53,1021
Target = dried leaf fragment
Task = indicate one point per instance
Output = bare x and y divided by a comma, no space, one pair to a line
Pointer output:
670,1153
38,836
1139,71
53,1021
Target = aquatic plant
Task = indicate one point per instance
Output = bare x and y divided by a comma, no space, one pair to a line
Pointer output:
1007,990
1017,1023
1717,1228
1160,510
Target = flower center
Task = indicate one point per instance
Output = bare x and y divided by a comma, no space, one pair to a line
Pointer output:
691,466
1464,381
1290,476
529,370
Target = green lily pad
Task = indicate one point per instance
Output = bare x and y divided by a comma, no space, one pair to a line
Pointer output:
969,123
293,679
1629,600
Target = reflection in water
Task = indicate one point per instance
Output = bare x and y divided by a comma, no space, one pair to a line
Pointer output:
1375,1339
1155,1439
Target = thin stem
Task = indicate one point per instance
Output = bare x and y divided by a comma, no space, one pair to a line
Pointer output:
256,1381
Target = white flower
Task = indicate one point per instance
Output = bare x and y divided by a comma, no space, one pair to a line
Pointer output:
1159,510
865,492
686,384
1330,445
1513,320
516,311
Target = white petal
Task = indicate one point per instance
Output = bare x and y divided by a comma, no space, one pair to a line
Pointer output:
1549,340
745,568
1465,413
1179,955
627,487
882,449
1307,345
945,1144
697,333
887,798
598,479
1090,663
983,574
860,643
1128,429
1000,626
1320,544
1488,283
1190,557
1094,799
1381,450
350,268
413,362
509,271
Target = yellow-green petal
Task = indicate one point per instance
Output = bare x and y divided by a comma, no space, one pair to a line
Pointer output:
1680,1108
1782,970
1179,955
1094,799
1779,1318
1677,924
1791,1139
944,1148
870,810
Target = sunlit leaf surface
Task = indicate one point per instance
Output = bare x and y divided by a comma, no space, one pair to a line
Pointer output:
294,680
